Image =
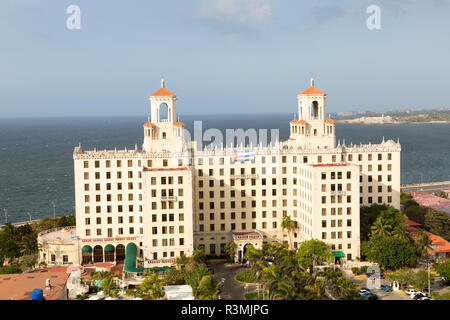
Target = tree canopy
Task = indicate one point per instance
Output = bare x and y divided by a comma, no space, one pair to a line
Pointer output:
390,252
313,248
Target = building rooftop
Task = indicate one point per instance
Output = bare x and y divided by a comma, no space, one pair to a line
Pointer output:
20,286
181,292
431,201
312,90
163,92
62,235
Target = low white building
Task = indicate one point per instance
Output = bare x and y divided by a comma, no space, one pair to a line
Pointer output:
181,292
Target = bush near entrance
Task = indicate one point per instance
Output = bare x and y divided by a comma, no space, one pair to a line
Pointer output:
246,276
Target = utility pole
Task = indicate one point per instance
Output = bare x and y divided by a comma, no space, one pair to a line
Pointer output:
54,209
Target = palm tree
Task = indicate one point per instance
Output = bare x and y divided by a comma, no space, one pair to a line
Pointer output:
381,228
423,243
231,249
100,275
288,224
107,285
400,232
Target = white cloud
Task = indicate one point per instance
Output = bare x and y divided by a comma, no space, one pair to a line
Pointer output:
243,13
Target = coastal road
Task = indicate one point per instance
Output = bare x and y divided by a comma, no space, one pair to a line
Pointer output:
428,188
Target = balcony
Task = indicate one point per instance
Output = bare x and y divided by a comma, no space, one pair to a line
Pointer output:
169,198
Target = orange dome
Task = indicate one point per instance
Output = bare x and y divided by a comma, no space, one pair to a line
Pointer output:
163,92
312,90
148,124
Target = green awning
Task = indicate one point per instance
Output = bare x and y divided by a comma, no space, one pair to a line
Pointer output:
130,259
162,268
338,254
109,248
86,248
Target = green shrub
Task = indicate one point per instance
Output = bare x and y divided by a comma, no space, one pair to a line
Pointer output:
246,276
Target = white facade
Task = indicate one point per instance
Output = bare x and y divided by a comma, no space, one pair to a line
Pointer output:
169,198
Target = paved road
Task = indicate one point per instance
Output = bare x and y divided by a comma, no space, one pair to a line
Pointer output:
382,295
428,188
231,290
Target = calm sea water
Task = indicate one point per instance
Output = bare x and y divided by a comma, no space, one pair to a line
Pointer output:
36,165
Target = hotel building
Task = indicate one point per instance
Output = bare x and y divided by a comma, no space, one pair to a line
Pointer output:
167,198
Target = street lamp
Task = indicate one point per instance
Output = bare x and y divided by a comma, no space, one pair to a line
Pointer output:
29,215
54,209
6,215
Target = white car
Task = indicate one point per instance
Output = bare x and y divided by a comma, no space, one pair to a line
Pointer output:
412,292
424,298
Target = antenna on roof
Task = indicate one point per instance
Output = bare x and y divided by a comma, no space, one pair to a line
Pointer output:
162,80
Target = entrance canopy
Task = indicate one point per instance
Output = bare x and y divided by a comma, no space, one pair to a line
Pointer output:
130,259
338,254
86,248
109,248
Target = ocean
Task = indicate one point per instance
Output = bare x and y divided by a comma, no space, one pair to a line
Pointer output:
36,165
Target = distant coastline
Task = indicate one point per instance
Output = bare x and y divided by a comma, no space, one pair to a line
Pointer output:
393,122
395,117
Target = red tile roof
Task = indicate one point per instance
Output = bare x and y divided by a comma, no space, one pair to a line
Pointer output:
148,124
329,120
179,124
441,244
163,92
312,90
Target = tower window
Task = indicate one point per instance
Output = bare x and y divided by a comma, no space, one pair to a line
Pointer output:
163,112
315,110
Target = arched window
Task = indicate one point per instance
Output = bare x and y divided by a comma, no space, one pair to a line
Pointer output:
315,110
120,253
98,254
163,112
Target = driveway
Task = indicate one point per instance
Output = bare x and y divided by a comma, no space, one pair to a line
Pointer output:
231,290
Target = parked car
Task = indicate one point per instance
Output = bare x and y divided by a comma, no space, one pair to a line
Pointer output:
386,288
365,293
444,282
372,296
210,269
412,292
425,298
425,289
418,296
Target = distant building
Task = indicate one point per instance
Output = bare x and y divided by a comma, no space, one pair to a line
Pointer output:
440,248
371,120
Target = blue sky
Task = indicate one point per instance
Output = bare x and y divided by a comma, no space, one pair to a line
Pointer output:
221,56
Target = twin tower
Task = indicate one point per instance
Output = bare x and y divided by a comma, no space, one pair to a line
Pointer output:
312,130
